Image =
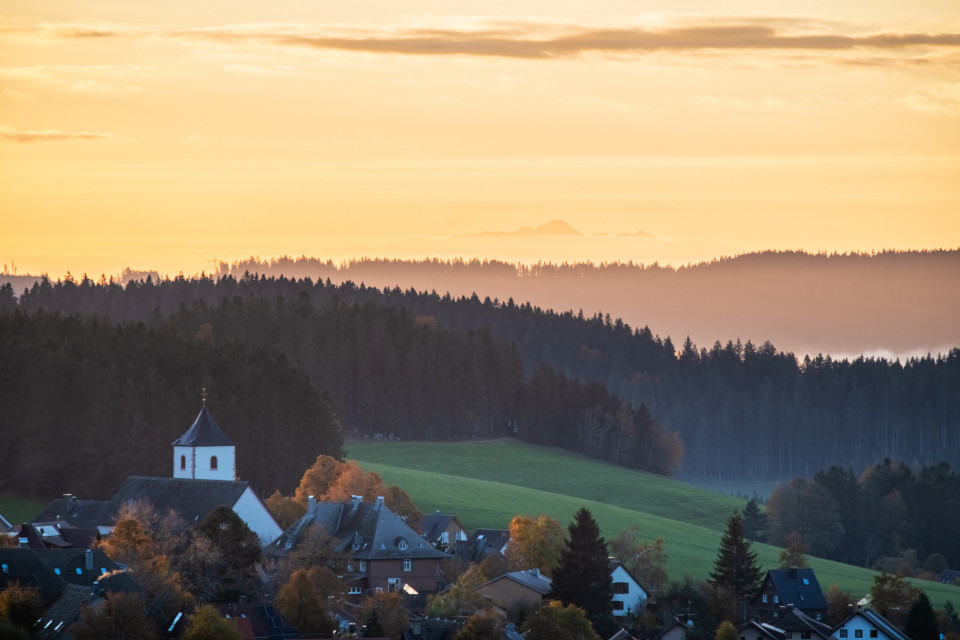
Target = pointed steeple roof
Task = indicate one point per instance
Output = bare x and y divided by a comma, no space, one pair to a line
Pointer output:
204,432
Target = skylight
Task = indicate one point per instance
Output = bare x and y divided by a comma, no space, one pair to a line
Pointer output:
806,581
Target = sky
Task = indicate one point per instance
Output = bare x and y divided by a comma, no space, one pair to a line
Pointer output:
169,136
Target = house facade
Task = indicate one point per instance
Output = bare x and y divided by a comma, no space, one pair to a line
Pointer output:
867,624
629,598
374,549
517,591
442,530
782,587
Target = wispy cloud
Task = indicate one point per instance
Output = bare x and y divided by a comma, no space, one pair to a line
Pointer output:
941,97
12,134
531,39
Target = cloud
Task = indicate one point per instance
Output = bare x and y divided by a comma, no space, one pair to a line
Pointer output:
531,39
552,228
639,233
12,134
941,97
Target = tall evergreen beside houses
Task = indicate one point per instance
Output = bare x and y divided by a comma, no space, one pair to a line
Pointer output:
582,577
736,566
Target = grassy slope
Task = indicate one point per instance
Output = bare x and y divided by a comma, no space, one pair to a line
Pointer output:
18,510
486,484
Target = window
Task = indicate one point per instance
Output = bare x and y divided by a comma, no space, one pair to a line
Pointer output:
213,463
79,571
379,589
617,605
408,564
621,587
819,615
57,570
5,568
843,633
806,581
873,633
776,598
349,566
403,545
363,566
858,633
354,591
788,634
801,596
804,635
183,462
764,598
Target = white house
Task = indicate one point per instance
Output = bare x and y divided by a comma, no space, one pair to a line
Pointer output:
867,624
629,598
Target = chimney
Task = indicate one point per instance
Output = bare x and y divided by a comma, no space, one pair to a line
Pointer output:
311,506
88,556
379,501
23,543
535,571
793,573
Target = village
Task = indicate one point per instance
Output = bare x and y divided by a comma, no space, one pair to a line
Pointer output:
356,568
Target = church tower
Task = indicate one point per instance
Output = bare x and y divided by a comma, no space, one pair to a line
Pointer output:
205,452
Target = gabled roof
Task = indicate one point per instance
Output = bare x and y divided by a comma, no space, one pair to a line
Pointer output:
365,531
799,587
57,535
794,619
64,612
877,621
613,563
72,564
761,630
193,499
204,432
532,579
23,567
433,524
79,513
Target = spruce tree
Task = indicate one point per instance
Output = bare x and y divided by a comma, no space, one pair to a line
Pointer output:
736,565
582,577
921,620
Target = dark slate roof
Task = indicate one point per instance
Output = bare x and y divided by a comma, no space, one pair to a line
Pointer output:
64,612
434,524
793,619
79,513
497,538
192,499
365,531
949,576
118,581
799,587
72,564
57,535
204,432
532,579
23,567
262,619
763,629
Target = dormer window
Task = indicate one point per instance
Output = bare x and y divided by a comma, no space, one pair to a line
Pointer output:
403,545
213,463
183,462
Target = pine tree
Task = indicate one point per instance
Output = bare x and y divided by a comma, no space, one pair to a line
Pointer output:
582,577
921,620
736,565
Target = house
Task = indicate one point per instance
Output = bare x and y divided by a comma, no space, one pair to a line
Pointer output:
204,478
64,580
517,591
57,535
756,630
674,630
382,552
484,543
441,530
866,623
799,626
794,586
253,620
629,598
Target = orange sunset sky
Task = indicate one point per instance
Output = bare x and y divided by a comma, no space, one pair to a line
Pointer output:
167,135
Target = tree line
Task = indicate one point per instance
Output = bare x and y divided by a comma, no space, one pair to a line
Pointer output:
113,374
741,411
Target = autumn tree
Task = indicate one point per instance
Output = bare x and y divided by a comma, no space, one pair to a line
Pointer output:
891,595
462,597
206,623
726,631
556,621
483,625
285,510
795,553
736,566
646,561
20,607
839,605
385,611
535,543
121,617
301,604
582,576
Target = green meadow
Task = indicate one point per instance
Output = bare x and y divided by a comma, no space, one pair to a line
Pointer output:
486,483
17,510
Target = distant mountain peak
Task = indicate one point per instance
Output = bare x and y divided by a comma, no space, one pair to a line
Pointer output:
552,228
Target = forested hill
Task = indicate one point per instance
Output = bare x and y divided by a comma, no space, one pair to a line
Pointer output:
743,411
893,302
